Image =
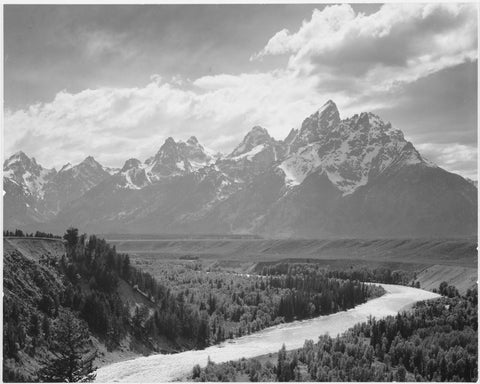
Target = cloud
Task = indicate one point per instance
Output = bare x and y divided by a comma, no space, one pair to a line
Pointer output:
114,124
100,42
403,62
399,43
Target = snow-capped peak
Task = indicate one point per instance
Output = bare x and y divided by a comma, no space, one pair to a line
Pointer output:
25,171
111,170
91,162
315,126
192,141
177,158
256,137
328,109
20,158
131,163
350,151
134,175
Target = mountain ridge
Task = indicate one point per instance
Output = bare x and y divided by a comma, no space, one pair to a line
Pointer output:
297,186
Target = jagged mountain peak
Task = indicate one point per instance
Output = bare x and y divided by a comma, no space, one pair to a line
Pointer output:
26,173
258,134
20,158
351,151
329,182
168,150
19,164
258,130
130,164
325,119
178,157
255,137
328,109
90,162
192,140
169,141
327,114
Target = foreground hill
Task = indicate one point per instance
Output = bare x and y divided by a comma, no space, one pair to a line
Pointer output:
41,285
331,177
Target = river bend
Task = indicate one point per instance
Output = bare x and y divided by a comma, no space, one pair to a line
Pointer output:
162,368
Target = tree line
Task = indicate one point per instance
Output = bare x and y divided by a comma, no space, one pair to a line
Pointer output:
20,233
355,273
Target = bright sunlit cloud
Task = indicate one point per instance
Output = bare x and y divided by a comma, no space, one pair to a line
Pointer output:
362,62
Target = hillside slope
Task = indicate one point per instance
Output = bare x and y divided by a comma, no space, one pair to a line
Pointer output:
39,284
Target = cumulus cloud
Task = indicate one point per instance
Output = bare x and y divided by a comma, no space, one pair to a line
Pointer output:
398,43
363,63
114,124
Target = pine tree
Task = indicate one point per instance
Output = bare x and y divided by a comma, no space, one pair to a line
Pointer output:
71,236
72,358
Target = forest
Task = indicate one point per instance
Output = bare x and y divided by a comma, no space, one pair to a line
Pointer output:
436,341
189,306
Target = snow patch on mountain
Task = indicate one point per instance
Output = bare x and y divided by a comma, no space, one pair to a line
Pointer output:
349,151
24,171
66,167
111,171
257,136
250,154
35,183
298,166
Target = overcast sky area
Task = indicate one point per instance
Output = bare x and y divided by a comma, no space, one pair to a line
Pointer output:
115,81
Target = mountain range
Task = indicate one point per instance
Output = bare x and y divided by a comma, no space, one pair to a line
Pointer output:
331,177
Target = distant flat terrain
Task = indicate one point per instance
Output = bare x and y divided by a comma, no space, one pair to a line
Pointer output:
420,251
434,260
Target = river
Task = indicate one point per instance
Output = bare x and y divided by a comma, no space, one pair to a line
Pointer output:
161,368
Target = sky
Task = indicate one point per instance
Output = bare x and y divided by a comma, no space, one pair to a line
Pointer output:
114,81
